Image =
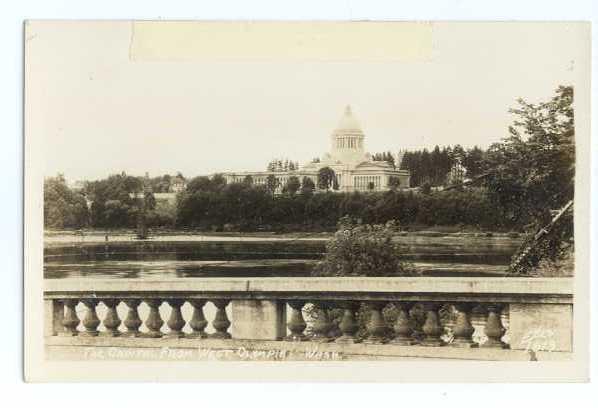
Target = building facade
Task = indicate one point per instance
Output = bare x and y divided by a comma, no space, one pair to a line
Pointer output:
177,184
457,174
354,168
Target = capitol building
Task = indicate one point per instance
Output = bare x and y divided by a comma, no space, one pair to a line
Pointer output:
354,168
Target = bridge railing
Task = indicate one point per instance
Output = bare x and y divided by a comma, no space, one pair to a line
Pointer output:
390,317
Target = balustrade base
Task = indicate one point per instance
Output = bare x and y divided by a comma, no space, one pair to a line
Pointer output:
176,335
463,344
197,335
132,334
152,335
375,340
403,341
495,344
110,334
69,348
89,333
319,338
348,340
432,343
220,336
296,337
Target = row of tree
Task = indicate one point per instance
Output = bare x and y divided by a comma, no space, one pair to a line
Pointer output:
248,207
426,167
385,156
432,167
282,165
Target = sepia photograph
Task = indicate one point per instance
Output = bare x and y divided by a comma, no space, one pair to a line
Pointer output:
211,199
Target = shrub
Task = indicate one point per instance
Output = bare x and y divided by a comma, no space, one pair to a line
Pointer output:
363,250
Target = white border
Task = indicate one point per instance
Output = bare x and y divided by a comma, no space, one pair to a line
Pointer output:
300,395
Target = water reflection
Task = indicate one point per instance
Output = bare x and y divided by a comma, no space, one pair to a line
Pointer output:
437,256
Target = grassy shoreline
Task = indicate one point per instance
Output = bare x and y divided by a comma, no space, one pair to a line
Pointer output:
53,238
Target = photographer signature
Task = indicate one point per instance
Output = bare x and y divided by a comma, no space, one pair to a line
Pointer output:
539,339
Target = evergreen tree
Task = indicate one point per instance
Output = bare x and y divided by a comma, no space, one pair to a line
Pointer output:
293,185
394,182
474,161
327,179
307,186
272,183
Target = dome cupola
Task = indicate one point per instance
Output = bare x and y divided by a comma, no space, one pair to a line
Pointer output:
348,139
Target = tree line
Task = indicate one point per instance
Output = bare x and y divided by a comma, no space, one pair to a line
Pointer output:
245,207
432,167
212,204
114,202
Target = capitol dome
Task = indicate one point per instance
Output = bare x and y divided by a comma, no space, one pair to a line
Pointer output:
348,121
347,140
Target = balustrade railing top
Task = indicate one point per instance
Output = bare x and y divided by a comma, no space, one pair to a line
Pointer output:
532,290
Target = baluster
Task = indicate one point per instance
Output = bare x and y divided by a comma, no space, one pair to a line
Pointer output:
494,328
296,323
111,320
70,320
198,321
221,322
403,326
54,314
348,324
377,327
463,329
90,320
132,321
175,322
417,322
322,325
432,328
154,322
334,331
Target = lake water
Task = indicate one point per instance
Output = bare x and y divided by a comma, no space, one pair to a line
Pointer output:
168,257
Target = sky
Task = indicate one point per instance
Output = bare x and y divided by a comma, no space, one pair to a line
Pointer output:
98,102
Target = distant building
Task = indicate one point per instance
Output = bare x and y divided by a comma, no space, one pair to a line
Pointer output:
177,184
456,175
354,168
77,185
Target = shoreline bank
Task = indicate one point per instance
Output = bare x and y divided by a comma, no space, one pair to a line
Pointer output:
58,238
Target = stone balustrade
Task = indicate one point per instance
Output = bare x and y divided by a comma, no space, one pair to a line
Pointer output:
389,317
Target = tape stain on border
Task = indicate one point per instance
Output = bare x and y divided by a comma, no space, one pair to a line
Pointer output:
294,41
